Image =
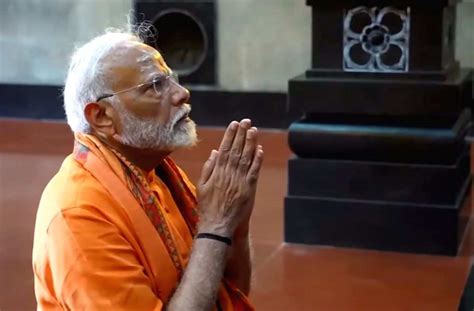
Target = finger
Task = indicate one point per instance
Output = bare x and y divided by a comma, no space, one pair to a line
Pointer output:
226,142
208,168
249,150
254,169
238,143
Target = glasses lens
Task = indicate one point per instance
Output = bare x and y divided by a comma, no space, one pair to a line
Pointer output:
162,83
174,77
159,84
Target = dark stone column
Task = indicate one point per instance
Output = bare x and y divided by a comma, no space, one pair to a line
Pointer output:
380,159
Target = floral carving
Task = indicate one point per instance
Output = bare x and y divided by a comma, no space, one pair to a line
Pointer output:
378,40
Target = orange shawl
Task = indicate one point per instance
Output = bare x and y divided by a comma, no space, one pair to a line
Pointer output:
127,185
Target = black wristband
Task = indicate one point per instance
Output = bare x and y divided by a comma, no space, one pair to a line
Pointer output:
216,237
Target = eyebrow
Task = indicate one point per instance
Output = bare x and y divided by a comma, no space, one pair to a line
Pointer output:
158,74
145,59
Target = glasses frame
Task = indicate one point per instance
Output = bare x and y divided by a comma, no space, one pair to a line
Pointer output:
172,77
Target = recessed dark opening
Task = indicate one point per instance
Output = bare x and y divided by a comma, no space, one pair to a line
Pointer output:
393,23
392,56
182,40
359,21
358,55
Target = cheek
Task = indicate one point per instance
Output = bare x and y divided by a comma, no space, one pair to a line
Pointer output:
166,111
154,108
145,108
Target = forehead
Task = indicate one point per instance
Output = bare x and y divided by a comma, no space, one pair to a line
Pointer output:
149,57
135,62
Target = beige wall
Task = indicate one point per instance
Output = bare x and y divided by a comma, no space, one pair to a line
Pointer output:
465,33
38,36
262,43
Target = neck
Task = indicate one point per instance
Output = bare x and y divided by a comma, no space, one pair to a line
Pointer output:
145,159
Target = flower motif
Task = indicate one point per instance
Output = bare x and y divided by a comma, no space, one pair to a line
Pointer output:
375,39
370,49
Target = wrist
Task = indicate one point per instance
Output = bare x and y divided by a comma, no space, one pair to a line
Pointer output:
215,237
220,230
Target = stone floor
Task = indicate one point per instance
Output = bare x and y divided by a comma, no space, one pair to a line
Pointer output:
286,277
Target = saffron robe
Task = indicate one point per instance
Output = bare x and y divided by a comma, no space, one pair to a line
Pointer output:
95,247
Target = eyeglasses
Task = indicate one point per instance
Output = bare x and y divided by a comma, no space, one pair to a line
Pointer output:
161,84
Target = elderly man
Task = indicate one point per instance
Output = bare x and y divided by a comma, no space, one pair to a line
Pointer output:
120,226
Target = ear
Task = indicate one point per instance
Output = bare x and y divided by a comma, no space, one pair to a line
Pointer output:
101,118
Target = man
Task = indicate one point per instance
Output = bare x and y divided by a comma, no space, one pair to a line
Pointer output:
117,228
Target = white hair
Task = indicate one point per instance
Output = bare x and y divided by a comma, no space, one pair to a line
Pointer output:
87,79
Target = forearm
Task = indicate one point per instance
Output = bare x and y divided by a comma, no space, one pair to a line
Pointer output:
239,266
202,277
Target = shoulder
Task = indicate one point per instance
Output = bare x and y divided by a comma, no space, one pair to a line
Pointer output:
73,189
74,208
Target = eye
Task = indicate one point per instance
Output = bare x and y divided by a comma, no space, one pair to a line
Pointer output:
158,82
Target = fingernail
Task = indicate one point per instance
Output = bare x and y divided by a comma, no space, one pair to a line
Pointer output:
233,125
213,154
245,121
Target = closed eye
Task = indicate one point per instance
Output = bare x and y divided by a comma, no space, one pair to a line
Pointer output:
158,82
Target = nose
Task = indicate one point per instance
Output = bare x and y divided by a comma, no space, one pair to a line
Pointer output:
180,94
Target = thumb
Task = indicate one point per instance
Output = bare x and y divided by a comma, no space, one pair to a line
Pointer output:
208,168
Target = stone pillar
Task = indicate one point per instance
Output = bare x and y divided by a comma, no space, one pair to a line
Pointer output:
380,160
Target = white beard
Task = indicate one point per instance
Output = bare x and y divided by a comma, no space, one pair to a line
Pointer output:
149,134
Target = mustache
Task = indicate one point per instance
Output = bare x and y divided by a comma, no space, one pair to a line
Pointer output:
183,112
